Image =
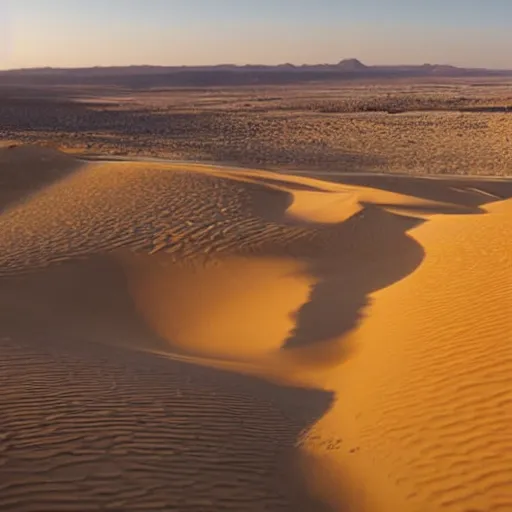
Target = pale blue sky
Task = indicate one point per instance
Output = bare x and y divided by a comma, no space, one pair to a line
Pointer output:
191,32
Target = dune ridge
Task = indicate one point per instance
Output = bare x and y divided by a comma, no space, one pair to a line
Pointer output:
188,336
436,417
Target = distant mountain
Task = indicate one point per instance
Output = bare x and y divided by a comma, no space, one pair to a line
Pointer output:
351,65
231,74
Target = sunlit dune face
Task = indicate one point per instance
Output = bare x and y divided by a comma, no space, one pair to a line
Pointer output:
237,307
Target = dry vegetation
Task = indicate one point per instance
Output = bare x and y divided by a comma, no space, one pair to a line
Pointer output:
452,127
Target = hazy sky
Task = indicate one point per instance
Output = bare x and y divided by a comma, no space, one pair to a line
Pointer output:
174,32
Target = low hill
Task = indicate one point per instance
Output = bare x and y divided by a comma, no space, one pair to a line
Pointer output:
351,65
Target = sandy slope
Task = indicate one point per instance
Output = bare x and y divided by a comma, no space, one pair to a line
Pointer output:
429,424
193,338
25,169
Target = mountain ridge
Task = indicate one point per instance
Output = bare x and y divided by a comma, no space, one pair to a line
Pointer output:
233,74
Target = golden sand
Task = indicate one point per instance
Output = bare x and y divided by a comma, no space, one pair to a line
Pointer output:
207,339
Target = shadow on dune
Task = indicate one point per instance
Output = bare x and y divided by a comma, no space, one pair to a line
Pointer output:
372,250
367,252
88,423
24,170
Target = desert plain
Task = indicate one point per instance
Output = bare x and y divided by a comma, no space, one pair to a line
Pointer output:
256,298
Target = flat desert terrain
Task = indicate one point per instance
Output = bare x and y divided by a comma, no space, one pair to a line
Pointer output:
323,325
444,126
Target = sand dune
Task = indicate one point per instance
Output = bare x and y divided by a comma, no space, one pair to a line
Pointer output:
25,169
195,338
432,431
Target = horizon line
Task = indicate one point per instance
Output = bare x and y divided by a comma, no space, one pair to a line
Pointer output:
242,65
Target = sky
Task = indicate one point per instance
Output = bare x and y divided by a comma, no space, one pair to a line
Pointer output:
80,33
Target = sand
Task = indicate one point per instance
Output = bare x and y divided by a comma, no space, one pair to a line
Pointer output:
187,337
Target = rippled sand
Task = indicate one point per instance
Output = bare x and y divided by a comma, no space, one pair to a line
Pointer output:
181,337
